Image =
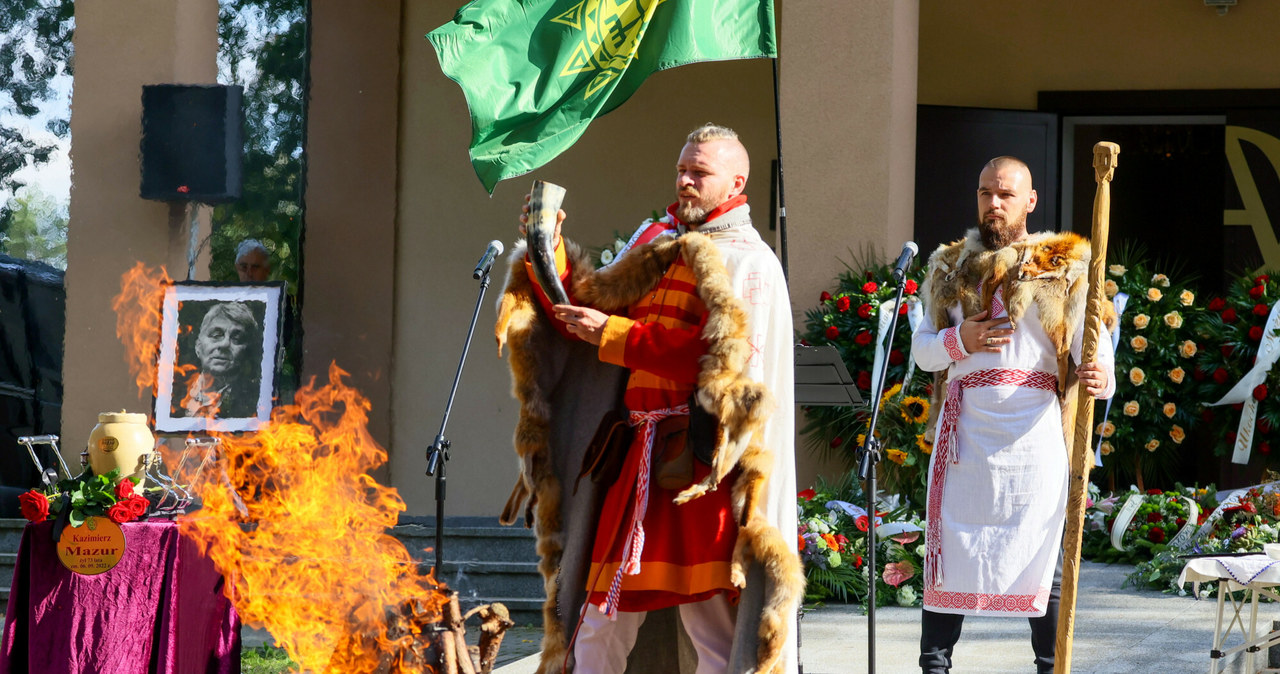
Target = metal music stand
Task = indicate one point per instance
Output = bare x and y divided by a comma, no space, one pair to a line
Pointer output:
822,378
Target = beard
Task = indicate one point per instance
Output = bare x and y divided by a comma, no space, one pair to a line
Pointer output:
695,212
998,232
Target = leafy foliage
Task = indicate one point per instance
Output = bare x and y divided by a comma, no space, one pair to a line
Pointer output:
37,229
35,48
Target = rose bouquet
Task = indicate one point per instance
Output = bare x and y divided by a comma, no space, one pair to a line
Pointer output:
1230,333
86,496
848,318
1159,517
1154,404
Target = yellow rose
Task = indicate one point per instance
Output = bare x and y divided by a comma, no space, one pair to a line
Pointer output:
1111,288
1160,280
1152,445
1188,349
1117,270
1173,319
1108,429
1140,321
1131,408
1154,294
1176,375
1137,376
1138,343
1170,409
1187,298
1177,434
1107,448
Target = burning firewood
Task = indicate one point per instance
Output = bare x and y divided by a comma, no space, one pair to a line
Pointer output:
495,620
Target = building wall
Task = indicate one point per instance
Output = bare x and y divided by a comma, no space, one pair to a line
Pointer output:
996,54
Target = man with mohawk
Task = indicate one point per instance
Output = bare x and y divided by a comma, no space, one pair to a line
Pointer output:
691,322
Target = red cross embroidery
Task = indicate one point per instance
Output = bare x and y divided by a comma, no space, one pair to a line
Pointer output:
754,287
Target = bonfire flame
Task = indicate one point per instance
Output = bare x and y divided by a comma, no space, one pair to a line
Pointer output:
294,520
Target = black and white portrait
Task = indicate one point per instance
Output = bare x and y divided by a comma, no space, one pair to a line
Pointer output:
218,350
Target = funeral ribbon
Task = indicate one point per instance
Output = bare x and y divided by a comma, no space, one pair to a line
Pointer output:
1242,392
634,542
1181,541
1121,300
888,308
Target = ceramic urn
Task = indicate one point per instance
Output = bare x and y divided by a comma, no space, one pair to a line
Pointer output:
120,440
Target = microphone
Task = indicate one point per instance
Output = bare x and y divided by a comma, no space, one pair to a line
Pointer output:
486,261
909,251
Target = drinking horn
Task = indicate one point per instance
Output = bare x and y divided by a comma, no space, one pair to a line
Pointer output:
544,203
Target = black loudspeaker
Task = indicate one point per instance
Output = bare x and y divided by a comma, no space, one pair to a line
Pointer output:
192,140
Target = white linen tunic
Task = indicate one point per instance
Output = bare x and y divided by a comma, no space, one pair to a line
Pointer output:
996,524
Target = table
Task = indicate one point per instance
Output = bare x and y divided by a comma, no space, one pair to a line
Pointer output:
1256,575
161,610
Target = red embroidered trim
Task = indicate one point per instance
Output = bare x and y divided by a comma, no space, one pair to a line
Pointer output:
945,451
951,342
972,601
997,303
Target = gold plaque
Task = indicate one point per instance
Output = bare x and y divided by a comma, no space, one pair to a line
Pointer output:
108,444
92,548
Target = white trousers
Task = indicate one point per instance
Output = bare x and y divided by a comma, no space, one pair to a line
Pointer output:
603,645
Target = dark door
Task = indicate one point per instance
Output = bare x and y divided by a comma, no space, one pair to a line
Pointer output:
953,144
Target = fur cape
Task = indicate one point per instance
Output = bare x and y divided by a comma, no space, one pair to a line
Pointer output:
558,383
1050,269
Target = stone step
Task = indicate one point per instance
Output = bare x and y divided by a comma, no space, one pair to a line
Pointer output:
11,533
487,543
485,580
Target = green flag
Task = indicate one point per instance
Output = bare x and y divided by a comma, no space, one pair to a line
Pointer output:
536,72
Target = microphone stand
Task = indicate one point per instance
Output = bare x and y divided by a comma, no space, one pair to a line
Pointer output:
869,458
438,452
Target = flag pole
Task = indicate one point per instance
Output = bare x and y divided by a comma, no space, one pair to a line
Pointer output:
782,193
1104,164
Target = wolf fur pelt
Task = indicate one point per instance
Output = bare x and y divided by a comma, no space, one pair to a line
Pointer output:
1050,269
558,383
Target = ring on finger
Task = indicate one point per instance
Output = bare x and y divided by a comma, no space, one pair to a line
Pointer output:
990,340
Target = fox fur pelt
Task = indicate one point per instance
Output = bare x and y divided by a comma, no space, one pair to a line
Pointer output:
559,382
1050,269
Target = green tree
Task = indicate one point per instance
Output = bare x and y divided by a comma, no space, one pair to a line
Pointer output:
37,228
35,48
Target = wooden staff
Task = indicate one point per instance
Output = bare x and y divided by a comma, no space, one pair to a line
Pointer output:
1104,164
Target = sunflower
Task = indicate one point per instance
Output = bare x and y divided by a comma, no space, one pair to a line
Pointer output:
891,392
924,445
897,456
915,409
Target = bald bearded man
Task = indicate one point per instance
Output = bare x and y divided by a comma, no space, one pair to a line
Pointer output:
691,273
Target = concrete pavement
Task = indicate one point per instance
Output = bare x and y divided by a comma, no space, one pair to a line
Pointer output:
1118,631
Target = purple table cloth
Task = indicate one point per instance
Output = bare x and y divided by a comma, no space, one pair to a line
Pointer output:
161,610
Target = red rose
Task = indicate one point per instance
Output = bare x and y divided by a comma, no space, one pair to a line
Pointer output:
1207,415
863,338
824,296
1217,304
805,342
831,332
857,561
1154,517
1261,279
1260,392
1227,350
1156,535
35,506
870,287
842,304
902,310
137,504
864,379
1260,310
1220,375
1154,492
1265,448
807,494
896,357
837,441
120,513
1257,292
1231,437
910,287
1197,374
1255,333
864,311
124,489
861,523
1229,315
1237,406
1264,426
